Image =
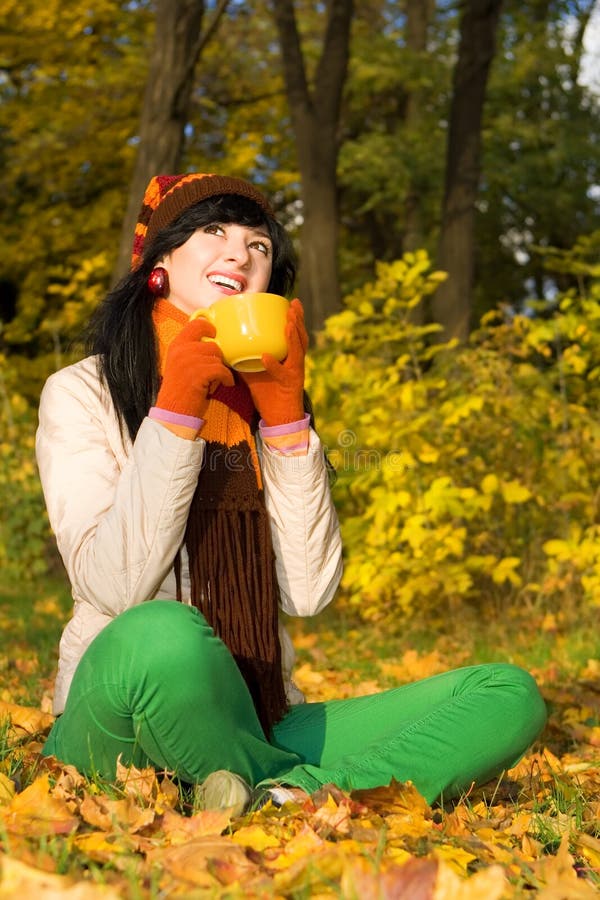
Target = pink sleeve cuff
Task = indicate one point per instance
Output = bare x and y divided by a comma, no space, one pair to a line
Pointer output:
267,431
288,440
165,415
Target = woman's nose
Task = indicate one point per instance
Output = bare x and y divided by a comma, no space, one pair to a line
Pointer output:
237,251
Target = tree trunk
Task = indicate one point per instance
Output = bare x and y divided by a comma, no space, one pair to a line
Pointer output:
452,303
178,43
419,14
315,116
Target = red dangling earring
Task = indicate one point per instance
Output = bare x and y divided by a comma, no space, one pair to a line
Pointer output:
158,282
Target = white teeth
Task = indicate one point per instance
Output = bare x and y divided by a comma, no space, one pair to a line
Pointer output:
223,281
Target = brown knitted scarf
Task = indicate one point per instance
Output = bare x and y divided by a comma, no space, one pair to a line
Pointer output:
228,538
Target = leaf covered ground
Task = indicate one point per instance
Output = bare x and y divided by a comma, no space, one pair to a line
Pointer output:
534,832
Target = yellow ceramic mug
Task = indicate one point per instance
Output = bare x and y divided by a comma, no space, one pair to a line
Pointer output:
248,325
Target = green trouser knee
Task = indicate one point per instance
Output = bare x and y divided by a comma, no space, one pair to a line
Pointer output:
442,733
157,687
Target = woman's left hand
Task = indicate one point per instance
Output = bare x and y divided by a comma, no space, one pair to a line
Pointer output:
278,391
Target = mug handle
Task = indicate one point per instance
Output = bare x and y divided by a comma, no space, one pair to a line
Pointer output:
202,313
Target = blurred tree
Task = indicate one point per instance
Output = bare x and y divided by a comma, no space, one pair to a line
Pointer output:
452,303
68,75
419,14
71,90
178,43
391,159
315,113
541,153
239,121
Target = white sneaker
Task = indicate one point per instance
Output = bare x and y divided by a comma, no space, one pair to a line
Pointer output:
222,790
281,795
277,795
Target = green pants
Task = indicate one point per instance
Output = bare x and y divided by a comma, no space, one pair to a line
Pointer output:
157,687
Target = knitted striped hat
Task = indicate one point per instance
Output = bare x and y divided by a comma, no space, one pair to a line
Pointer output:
169,195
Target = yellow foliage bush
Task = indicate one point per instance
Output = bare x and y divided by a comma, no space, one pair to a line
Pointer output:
24,529
467,473
72,292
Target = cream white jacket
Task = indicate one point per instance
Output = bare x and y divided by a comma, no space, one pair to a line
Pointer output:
119,511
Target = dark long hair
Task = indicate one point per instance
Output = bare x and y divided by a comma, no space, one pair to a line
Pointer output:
121,331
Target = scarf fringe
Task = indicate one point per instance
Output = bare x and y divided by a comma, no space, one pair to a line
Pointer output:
234,585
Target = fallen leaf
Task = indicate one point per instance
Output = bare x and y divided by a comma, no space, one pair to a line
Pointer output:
100,846
312,873
179,829
7,789
106,814
397,797
589,847
303,845
414,880
456,857
36,812
20,881
332,816
167,796
68,782
192,861
489,884
255,837
140,783
561,880
25,719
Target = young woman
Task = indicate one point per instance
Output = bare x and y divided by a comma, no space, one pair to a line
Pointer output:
168,477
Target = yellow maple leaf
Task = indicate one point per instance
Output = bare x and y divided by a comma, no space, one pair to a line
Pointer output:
490,884
255,837
36,812
209,822
456,857
589,847
20,880
195,861
25,719
303,845
106,814
99,845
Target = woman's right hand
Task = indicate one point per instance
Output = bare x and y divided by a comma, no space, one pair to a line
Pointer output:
194,368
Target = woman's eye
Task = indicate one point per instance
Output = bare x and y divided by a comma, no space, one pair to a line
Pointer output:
262,246
214,228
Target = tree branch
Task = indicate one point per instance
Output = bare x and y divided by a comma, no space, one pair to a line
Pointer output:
333,62
247,101
291,53
201,43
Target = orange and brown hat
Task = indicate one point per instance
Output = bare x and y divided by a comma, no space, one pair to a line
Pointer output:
169,195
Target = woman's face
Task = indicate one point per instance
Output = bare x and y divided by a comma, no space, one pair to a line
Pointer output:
216,261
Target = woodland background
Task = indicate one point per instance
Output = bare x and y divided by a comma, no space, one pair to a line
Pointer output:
437,165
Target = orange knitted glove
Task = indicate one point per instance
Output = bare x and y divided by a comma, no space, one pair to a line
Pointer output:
193,370
278,391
